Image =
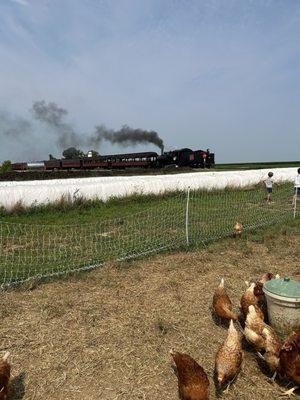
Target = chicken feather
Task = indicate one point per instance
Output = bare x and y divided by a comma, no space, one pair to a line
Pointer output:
229,357
249,299
258,333
4,376
222,304
290,358
272,346
193,383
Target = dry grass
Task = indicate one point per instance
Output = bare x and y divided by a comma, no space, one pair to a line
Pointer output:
107,335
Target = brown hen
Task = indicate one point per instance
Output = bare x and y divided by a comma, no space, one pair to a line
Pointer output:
222,304
290,360
258,333
249,299
193,383
238,228
4,376
229,358
258,288
267,277
272,347
254,327
259,292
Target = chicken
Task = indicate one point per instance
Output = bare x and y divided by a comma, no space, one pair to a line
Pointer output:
260,295
254,326
259,334
4,376
272,347
193,383
258,288
289,357
259,292
249,299
261,300
238,228
268,276
222,305
265,277
229,358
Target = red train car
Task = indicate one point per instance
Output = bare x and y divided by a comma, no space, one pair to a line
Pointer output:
22,166
138,160
92,163
52,164
71,164
62,164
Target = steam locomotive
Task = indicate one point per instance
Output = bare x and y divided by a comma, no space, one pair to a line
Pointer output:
175,158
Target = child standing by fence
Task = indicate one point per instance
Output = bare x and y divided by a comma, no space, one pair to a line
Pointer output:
297,187
269,186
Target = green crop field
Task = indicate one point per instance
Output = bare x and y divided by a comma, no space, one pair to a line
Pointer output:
52,240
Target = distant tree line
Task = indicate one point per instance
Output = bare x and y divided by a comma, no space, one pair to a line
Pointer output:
73,153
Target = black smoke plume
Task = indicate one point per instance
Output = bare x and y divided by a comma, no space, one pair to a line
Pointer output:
125,136
53,116
14,126
24,136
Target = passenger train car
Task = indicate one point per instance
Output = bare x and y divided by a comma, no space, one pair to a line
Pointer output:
175,158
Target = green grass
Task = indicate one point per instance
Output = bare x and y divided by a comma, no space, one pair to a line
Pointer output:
50,240
83,211
257,165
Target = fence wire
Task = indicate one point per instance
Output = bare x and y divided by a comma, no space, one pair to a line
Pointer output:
30,251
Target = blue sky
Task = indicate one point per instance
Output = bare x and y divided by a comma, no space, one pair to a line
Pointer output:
223,74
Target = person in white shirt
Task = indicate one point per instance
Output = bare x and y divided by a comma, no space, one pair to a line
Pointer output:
269,186
297,187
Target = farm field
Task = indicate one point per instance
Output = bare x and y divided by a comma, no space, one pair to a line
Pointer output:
149,200
107,334
49,241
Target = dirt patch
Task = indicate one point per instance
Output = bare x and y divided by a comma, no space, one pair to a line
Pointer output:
107,334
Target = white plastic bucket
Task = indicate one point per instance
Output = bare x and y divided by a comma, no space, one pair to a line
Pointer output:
283,311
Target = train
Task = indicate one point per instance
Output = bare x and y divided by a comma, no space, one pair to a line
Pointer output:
175,158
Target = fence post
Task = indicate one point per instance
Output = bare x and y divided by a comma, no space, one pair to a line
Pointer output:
295,203
187,217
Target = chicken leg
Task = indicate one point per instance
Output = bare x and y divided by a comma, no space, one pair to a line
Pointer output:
272,379
289,392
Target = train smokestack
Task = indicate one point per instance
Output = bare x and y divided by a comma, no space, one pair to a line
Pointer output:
162,149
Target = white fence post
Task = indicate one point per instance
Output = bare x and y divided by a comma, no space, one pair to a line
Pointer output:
187,216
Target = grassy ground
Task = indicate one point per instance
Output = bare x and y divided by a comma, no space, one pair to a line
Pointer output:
49,241
257,165
82,211
107,334
55,239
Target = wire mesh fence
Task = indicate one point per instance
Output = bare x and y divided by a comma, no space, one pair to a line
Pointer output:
29,251
214,215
